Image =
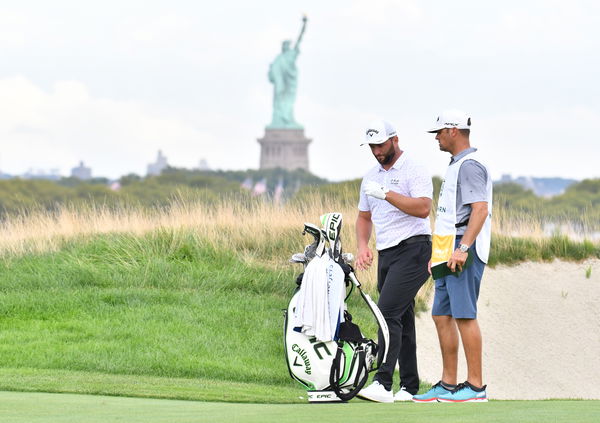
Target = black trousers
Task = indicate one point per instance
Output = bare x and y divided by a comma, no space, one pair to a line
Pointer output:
402,270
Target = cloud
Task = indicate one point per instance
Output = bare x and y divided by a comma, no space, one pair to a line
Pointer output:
370,25
540,26
337,131
13,33
160,29
550,142
113,82
55,128
383,12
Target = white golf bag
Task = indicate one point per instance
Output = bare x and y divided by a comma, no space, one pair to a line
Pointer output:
335,369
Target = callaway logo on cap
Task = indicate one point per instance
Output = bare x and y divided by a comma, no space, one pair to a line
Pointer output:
452,119
378,132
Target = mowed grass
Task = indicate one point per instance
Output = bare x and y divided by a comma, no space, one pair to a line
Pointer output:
195,389
51,408
164,305
182,304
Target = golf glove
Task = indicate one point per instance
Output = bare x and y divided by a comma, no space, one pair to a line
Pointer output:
375,190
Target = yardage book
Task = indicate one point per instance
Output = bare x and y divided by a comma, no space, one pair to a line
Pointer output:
440,270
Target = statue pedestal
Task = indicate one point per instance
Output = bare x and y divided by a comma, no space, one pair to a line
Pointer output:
284,148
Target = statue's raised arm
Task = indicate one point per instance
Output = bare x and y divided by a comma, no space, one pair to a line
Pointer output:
304,19
283,74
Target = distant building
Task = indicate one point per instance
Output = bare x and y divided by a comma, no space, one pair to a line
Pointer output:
52,174
203,165
284,148
157,167
542,187
81,172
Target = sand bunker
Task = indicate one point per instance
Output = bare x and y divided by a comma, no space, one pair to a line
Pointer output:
541,332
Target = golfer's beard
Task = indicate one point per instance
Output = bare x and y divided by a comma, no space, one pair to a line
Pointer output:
386,159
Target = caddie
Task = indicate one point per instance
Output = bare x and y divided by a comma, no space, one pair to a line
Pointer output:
461,245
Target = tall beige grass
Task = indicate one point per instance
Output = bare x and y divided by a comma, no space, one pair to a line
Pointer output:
259,231
515,223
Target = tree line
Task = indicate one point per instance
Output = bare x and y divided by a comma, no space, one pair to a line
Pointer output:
19,196
22,196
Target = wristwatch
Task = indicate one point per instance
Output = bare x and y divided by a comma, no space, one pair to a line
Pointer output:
463,247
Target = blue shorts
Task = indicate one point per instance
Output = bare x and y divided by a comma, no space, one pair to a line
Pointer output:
457,296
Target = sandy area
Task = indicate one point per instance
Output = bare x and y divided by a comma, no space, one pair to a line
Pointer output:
541,332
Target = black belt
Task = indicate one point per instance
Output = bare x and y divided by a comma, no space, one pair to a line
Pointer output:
408,241
461,224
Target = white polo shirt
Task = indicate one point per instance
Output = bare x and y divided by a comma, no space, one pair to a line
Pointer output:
392,225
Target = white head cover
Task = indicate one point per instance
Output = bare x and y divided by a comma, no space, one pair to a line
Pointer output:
378,132
452,119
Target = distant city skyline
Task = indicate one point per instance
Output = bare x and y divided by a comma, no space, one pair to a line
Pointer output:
112,83
83,172
539,185
542,187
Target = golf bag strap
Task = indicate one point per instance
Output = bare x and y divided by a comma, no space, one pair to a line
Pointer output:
382,357
334,375
378,316
361,364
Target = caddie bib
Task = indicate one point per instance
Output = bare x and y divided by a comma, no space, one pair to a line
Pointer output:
444,234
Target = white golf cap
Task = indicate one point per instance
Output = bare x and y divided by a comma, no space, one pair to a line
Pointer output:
452,119
378,132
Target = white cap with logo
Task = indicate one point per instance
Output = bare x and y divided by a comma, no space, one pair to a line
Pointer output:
452,119
378,132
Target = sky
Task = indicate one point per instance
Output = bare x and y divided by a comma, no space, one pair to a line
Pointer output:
110,83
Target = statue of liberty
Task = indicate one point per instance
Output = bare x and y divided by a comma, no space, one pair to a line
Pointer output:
283,74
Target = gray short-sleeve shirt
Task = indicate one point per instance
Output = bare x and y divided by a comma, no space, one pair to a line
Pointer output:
471,187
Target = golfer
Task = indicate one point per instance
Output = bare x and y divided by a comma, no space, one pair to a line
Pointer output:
395,198
462,229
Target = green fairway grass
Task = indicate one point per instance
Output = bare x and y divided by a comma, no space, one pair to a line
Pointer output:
166,306
199,389
18,407
167,314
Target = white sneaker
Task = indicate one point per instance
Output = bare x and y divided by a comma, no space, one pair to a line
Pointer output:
376,392
403,395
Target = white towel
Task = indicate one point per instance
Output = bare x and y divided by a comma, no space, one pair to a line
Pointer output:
320,304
